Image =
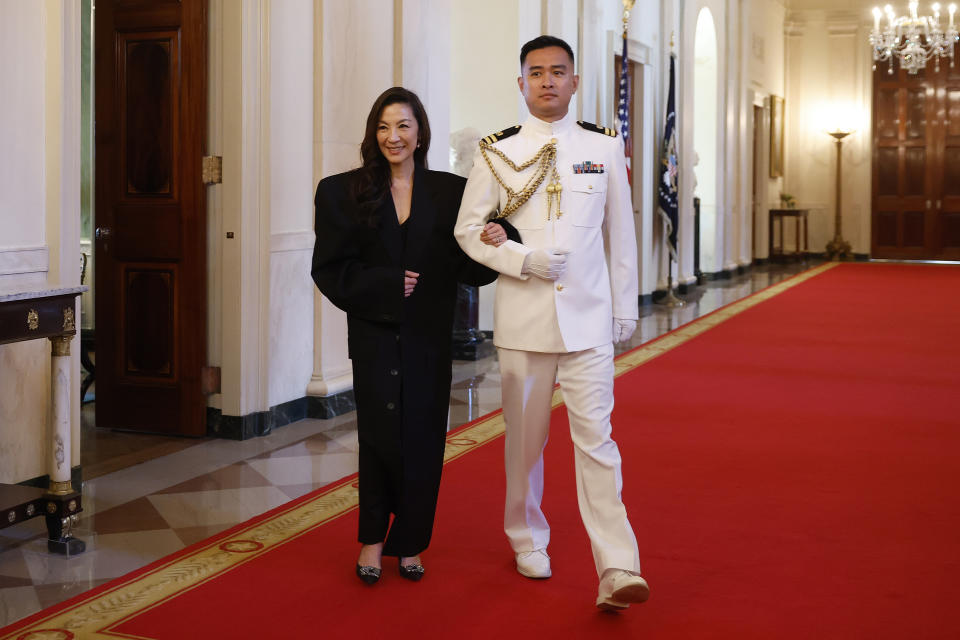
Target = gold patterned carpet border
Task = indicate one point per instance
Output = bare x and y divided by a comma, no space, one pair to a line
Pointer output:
97,616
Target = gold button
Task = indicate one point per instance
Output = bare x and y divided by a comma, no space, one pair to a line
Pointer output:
559,287
589,186
553,141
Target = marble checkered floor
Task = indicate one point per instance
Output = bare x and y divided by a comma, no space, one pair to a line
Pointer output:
140,513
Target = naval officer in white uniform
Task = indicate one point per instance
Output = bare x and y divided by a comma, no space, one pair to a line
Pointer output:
567,291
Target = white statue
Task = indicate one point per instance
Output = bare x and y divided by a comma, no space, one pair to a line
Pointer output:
463,144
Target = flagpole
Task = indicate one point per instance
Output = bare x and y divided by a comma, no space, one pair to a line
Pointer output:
670,300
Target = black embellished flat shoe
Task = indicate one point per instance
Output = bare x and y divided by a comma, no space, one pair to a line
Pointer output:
368,574
412,572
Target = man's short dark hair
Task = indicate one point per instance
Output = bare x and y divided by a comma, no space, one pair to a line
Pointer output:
542,42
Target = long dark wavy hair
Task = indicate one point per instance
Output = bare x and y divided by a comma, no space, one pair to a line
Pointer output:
372,184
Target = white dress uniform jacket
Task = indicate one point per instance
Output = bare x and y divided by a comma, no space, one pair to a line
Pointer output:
596,228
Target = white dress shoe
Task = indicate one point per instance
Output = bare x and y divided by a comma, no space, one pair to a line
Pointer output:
619,589
534,564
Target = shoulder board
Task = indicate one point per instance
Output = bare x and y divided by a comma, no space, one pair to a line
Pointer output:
500,135
589,126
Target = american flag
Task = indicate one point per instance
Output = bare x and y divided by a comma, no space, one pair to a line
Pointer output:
623,109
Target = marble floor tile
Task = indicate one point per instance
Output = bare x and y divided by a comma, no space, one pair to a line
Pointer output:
302,470
18,602
51,594
107,556
234,476
216,507
319,444
136,515
192,535
297,490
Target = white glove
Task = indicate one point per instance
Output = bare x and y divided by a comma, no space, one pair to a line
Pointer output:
548,264
623,329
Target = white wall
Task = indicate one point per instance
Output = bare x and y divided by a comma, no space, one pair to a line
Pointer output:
22,195
349,75
819,101
766,77
39,210
483,81
687,123
291,199
705,139
483,78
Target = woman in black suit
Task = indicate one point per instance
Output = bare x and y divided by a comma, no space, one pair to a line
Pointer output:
385,254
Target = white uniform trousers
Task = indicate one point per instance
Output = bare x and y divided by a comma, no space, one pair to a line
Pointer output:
586,382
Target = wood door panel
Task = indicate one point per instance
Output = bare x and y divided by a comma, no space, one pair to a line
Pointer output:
914,171
149,126
149,302
950,225
887,114
952,123
951,172
915,128
154,404
146,14
913,233
888,171
885,229
947,223
148,232
151,117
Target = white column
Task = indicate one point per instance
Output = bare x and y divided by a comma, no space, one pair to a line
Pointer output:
332,372
348,74
60,389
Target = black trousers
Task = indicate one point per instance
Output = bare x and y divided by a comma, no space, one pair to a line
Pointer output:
401,460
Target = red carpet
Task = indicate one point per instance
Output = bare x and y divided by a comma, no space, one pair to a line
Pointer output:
792,472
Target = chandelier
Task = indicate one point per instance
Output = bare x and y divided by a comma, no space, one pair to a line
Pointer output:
912,39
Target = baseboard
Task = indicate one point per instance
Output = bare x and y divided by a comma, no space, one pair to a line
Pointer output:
681,289
724,274
857,257
261,423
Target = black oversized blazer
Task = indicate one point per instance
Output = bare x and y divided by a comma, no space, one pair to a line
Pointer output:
400,347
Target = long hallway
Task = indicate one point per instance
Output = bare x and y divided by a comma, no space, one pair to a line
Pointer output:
137,514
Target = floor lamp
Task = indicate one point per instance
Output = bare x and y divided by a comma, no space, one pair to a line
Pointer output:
838,247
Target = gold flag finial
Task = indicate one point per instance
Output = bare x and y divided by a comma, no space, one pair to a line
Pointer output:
627,6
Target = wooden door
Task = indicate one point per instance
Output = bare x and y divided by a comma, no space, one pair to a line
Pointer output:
947,205
916,164
150,214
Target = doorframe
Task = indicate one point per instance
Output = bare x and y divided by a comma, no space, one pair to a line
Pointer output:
239,77
643,156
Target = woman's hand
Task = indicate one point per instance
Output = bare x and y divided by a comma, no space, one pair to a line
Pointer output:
409,282
493,234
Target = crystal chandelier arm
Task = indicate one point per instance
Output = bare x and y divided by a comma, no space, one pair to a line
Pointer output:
913,39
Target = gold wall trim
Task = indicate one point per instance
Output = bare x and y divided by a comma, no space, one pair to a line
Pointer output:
94,617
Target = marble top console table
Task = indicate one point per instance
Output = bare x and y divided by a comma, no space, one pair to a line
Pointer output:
30,314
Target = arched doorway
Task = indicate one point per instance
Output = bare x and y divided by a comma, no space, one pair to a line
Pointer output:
705,140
